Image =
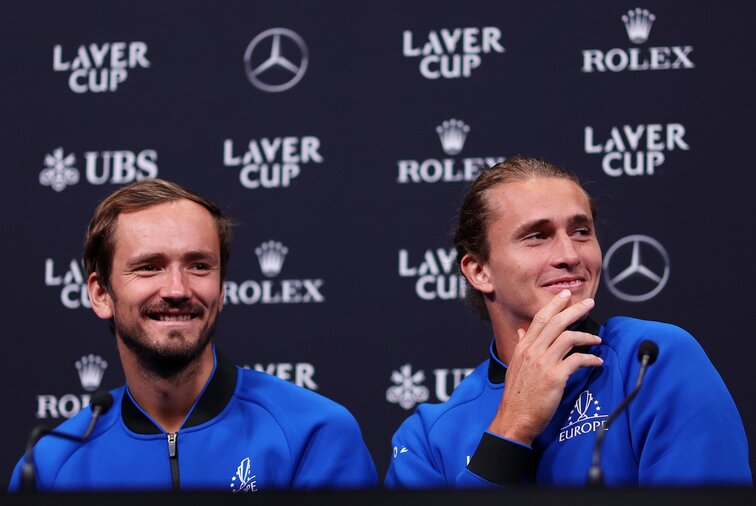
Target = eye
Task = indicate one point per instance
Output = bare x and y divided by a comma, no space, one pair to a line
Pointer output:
146,269
535,237
201,268
584,231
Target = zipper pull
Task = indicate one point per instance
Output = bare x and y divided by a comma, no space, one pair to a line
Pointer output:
172,445
173,458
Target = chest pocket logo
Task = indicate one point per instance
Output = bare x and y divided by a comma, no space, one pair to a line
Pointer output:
586,417
244,480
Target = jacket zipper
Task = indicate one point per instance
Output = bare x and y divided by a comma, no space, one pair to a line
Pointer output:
173,457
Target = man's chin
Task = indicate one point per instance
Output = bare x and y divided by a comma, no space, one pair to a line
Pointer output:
169,359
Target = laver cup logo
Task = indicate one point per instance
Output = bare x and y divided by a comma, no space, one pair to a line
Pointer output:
435,273
451,53
300,373
637,25
99,68
271,162
634,150
70,278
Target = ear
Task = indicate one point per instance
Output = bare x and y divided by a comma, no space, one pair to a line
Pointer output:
222,295
102,302
476,273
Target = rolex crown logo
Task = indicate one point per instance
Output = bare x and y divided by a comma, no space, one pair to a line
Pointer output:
271,255
91,369
452,134
638,24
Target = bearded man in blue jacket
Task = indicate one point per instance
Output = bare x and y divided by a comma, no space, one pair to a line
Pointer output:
526,243
187,419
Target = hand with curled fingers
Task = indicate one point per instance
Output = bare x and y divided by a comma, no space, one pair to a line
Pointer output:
538,370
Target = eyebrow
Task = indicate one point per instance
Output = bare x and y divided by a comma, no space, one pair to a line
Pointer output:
578,219
201,255
190,256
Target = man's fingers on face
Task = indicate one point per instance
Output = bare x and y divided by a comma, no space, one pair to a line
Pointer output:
577,360
568,340
544,316
557,324
567,317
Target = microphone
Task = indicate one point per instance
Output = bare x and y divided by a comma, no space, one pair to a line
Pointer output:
648,351
101,402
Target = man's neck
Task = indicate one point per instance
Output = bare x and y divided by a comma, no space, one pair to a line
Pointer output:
505,334
506,341
167,400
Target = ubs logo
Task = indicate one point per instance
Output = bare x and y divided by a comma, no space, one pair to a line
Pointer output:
276,60
636,268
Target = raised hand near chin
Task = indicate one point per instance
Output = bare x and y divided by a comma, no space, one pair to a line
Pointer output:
538,370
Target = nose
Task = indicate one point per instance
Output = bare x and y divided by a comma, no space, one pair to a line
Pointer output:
564,255
176,287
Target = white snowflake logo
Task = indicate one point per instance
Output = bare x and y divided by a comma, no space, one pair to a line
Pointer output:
59,171
408,390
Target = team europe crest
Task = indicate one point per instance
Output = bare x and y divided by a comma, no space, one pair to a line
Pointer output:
244,480
586,417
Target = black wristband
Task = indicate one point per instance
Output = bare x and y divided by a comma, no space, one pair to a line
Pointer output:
502,462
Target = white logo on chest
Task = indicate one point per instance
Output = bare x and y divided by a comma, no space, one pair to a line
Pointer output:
244,480
584,418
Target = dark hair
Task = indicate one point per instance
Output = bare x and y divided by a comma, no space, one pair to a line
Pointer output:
474,215
99,242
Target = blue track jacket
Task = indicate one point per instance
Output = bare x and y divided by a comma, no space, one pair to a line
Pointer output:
682,429
248,431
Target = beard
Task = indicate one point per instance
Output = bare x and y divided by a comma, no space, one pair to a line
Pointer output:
169,358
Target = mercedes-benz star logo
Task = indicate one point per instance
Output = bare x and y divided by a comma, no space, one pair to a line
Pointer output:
272,66
645,250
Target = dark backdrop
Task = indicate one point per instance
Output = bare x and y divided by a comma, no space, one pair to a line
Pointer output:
361,192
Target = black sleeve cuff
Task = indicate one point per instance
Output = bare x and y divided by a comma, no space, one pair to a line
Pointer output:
502,462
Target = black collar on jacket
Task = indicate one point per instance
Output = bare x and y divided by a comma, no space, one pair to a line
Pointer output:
216,396
498,372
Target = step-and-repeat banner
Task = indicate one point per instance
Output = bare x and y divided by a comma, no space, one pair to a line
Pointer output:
340,136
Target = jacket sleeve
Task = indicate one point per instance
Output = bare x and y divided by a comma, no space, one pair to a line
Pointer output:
499,461
412,464
686,428
415,464
335,456
15,481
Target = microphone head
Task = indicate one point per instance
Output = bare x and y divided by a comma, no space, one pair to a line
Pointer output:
650,349
101,401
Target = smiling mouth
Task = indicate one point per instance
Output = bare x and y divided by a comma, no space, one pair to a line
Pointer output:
572,283
172,317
